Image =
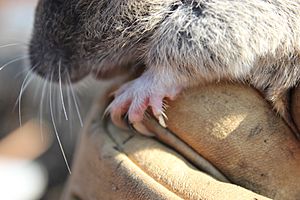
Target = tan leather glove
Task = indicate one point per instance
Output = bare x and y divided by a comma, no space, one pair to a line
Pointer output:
231,127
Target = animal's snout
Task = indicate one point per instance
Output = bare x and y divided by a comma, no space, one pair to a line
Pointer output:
55,52
56,63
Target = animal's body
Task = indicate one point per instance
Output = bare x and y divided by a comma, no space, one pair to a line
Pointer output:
179,43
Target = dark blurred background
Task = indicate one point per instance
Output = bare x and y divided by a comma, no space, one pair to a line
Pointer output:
31,162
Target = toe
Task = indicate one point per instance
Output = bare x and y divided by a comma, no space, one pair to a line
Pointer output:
157,107
137,109
117,113
156,103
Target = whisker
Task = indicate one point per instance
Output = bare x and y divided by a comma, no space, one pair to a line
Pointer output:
41,108
57,106
70,110
24,85
21,72
75,101
12,61
11,45
29,72
55,128
61,93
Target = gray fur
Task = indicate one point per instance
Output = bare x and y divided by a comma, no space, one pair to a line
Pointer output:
185,42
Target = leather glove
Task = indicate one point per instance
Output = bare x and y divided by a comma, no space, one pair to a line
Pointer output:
221,142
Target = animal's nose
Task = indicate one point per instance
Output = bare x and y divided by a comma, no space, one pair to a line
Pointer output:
55,66
53,70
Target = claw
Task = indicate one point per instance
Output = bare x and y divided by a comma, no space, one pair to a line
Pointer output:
117,114
139,127
164,115
135,97
161,121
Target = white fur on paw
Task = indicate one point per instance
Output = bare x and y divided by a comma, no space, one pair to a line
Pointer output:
133,99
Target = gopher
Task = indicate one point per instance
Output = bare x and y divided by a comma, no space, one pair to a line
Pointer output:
176,44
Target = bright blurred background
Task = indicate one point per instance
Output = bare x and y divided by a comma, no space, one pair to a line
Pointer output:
31,162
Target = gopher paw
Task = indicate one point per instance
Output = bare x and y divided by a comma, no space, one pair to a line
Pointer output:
133,99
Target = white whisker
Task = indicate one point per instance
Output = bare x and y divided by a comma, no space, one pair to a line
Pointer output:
75,101
24,85
41,108
70,110
12,61
55,128
10,45
61,93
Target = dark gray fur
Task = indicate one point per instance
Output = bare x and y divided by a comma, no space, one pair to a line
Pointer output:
185,42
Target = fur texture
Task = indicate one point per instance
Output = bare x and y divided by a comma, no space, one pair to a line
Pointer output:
180,43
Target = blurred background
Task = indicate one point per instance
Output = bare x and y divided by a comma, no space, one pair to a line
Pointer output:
32,165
